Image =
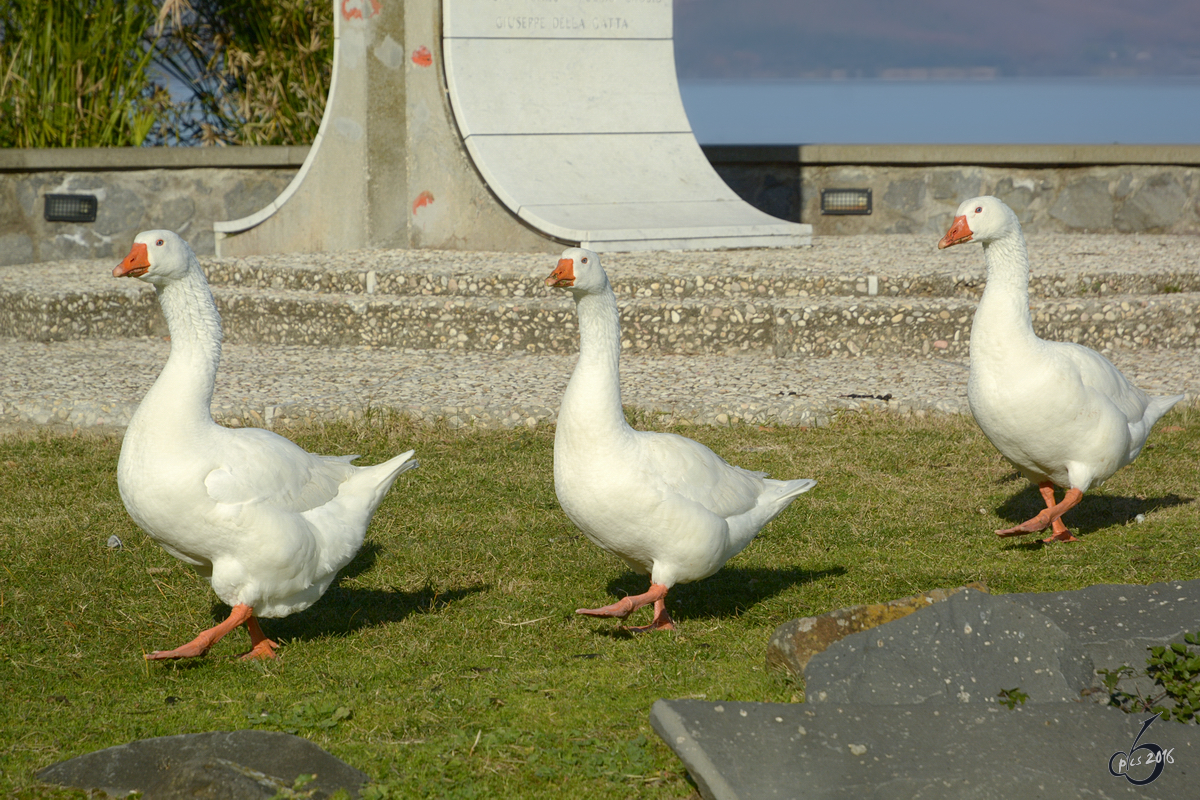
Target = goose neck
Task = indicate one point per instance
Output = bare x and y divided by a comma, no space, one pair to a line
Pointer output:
595,386
1003,317
195,327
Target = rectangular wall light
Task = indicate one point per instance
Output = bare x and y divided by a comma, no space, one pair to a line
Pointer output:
71,208
845,201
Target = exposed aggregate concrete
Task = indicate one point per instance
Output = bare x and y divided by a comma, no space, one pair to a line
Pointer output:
756,336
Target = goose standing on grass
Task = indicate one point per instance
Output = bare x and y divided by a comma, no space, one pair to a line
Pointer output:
266,523
1061,413
662,503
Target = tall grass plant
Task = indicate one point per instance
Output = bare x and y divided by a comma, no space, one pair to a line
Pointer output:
74,73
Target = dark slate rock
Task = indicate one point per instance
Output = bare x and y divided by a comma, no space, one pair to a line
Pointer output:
964,649
214,766
1115,623
954,185
844,751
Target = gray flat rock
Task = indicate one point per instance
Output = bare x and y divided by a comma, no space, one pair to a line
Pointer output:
1114,624
966,648
971,646
213,766
856,750
909,709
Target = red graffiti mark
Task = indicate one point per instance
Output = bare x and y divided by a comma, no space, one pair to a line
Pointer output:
423,199
422,57
357,12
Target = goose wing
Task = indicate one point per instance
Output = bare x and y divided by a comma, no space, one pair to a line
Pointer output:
695,472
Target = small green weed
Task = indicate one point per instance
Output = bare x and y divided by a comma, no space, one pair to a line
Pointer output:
1012,697
307,715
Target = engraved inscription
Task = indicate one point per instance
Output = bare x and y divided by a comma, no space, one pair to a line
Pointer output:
561,23
551,19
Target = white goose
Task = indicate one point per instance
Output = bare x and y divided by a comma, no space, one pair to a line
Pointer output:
662,503
266,523
1061,413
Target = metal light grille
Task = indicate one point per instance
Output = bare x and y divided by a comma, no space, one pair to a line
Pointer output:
845,201
71,208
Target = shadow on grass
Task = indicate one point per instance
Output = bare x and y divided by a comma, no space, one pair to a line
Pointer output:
730,592
342,610
1094,512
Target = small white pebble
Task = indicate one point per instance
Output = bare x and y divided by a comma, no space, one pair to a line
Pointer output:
114,543
1140,518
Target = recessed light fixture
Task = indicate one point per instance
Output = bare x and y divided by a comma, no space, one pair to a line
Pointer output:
71,208
845,201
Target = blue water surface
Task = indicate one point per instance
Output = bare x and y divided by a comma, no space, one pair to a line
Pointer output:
1002,111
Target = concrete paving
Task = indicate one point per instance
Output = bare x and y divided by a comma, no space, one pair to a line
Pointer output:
758,336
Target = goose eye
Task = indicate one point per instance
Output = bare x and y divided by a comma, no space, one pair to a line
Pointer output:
585,259
158,243
978,209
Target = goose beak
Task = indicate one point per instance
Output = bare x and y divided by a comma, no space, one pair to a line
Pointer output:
563,276
959,232
135,264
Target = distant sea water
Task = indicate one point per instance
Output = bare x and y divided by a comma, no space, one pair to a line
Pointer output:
1001,111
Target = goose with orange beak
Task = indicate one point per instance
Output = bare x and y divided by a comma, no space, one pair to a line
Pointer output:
266,523
1060,412
665,505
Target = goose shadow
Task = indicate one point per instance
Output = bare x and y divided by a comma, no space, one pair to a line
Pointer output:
730,592
343,609
1094,512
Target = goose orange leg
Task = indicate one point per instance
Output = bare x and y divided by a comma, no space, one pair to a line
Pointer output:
241,614
1050,517
627,605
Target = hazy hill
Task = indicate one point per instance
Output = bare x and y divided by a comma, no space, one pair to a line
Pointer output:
898,38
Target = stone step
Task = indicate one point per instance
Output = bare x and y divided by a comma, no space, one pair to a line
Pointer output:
406,273
793,326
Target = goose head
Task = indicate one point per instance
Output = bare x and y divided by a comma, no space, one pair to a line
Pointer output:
578,270
157,257
980,219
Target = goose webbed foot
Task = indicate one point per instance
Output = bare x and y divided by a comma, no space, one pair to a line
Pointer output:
662,620
201,644
627,605
1050,517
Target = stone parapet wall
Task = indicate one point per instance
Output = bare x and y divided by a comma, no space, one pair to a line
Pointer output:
181,189
916,189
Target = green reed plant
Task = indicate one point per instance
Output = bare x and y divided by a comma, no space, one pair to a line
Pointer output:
74,73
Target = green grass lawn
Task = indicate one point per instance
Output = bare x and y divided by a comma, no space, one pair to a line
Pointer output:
448,662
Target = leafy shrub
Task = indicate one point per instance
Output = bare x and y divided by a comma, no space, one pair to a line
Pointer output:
1175,670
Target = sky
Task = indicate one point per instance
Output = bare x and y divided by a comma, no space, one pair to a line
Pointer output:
717,39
